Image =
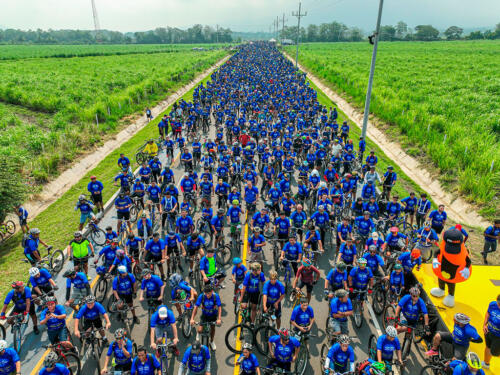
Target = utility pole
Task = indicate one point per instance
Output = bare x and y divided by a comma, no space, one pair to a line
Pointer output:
217,34
277,28
298,15
283,27
97,26
372,71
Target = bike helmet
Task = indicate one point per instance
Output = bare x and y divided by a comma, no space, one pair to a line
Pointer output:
78,234
122,269
391,331
90,299
366,212
378,368
341,293
474,361
284,334
119,333
415,253
101,270
220,211
315,172
208,288
236,261
17,284
146,271
340,266
461,318
69,273
362,261
372,248
120,253
175,280
50,300
398,266
257,229
235,202
322,184
306,262
196,347
50,360
343,339
81,197
375,236
34,231
3,345
33,271
247,346
427,224
414,291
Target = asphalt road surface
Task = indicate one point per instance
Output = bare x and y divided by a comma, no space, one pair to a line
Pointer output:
223,360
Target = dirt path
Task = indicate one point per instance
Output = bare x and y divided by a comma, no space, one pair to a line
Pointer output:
456,207
56,188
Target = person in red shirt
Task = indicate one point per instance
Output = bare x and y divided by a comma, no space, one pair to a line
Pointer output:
308,275
244,138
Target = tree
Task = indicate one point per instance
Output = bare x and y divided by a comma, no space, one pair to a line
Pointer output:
475,35
13,189
387,33
312,33
453,32
426,32
401,29
355,34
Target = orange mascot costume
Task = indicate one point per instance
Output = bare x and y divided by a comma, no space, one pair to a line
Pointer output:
451,265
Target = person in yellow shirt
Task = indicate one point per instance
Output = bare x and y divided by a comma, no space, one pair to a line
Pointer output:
151,149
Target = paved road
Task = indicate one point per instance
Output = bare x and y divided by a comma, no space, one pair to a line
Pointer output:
223,362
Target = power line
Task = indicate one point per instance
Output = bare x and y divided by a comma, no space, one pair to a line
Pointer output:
299,15
96,19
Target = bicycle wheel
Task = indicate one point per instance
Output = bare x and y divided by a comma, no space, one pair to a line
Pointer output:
418,333
389,318
372,347
237,335
164,365
56,261
223,255
10,227
98,237
71,361
357,315
112,308
434,370
378,300
262,335
133,213
301,362
101,289
405,348
323,354
2,332
186,326
97,355
16,332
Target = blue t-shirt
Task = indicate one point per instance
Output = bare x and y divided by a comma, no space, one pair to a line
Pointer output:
251,194
336,306
248,365
184,224
59,369
284,353
95,312
292,252
239,272
438,218
42,280
273,291
196,362
157,321
388,347
494,318
339,357
259,220
124,285
256,240
147,368
80,281
152,286
8,361
209,306
155,247
54,324
412,311
492,230
120,357
463,335
336,278
301,317
252,282
347,253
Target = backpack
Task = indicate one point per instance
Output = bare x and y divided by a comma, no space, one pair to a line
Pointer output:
24,240
360,366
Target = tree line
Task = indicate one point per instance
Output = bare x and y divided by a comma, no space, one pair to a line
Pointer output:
339,32
161,35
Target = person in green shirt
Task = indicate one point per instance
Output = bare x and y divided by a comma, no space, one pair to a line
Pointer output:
79,250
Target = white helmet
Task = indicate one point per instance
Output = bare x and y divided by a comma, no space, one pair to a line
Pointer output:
391,331
3,345
122,269
315,172
322,184
34,271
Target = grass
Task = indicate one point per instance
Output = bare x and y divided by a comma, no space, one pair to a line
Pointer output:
441,100
59,221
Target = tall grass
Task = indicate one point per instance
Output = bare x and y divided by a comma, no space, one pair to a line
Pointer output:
443,98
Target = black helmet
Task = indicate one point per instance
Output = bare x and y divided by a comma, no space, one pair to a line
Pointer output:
69,273
196,347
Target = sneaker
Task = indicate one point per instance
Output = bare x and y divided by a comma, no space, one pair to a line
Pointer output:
431,353
190,273
222,286
136,320
485,365
105,340
212,345
36,330
197,336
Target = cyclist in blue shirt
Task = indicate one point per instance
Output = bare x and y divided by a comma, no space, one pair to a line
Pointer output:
108,253
412,307
124,290
180,292
292,252
344,231
491,238
491,329
20,296
471,366
22,213
282,228
364,225
410,208
396,279
388,344
41,281
91,311
155,252
196,360
184,224
54,317
122,205
462,335
250,293
393,209
347,254
81,287
248,362
51,367
298,220
95,188
438,219
31,244
340,357
368,191
238,273
394,241
374,261
217,226
302,318
121,350
145,364
273,293
145,173
154,287
340,310
163,326
360,279
256,242
9,359
283,349
211,310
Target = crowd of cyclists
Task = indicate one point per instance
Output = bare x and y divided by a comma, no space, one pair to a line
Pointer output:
280,163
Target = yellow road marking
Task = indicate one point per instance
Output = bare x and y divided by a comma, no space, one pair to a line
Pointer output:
244,259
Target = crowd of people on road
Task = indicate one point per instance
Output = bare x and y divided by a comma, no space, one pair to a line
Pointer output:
281,164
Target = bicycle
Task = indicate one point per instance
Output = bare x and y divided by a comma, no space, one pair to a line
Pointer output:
166,352
92,347
7,229
285,269
204,229
239,333
266,329
66,357
358,306
303,355
96,235
295,296
122,313
379,297
52,262
205,332
372,354
19,324
191,199
235,235
184,318
101,288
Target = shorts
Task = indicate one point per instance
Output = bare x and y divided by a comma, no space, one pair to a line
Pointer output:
437,228
256,256
489,247
80,261
155,200
164,329
191,251
208,318
309,286
57,335
277,312
459,351
127,298
252,297
123,215
96,198
174,249
338,326
282,236
493,343
134,252
86,216
23,222
150,257
20,311
287,366
78,294
92,323
124,366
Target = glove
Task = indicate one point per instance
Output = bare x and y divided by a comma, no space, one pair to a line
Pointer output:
351,290
2,316
435,263
55,287
25,313
465,273
370,291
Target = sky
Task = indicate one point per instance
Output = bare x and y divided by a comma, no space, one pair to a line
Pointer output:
241,15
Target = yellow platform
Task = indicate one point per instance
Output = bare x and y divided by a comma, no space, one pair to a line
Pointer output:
471,297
